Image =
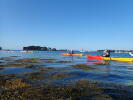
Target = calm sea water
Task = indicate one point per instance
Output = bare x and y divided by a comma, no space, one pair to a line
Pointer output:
116,72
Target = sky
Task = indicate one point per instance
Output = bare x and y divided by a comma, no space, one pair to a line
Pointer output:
66,24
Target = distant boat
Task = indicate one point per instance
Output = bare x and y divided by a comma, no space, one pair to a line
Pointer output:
7,51
119,52
82,51
130,53
26,51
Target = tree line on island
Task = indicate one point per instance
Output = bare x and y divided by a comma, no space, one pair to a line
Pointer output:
39,48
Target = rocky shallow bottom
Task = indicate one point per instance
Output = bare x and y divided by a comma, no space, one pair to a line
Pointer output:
55,83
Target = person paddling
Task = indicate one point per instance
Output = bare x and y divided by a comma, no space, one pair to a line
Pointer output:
130,53
106,53
71,52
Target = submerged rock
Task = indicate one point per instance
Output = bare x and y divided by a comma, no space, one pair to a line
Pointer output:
20,65
28,60
61,75
63,61
14,56
12,84
52,83
82,90
1,68
34,60
42,86
6,59
84,67
48,60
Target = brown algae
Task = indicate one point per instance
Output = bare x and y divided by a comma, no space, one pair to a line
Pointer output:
25,85
14,84
20,65
84,67
82,90
61,75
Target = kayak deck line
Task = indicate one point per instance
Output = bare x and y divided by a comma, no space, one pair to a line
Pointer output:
91,57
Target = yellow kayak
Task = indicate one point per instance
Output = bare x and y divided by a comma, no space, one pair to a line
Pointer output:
26,51
118,59
91,57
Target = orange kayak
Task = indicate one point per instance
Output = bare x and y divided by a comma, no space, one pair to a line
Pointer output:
69,54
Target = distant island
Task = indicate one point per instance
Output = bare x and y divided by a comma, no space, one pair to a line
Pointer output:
39,48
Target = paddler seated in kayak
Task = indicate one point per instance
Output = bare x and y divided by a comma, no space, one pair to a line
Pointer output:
106,53
71,52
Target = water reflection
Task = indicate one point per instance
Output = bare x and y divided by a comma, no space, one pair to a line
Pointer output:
99,62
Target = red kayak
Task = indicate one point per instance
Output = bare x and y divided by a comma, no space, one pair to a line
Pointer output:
91,57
